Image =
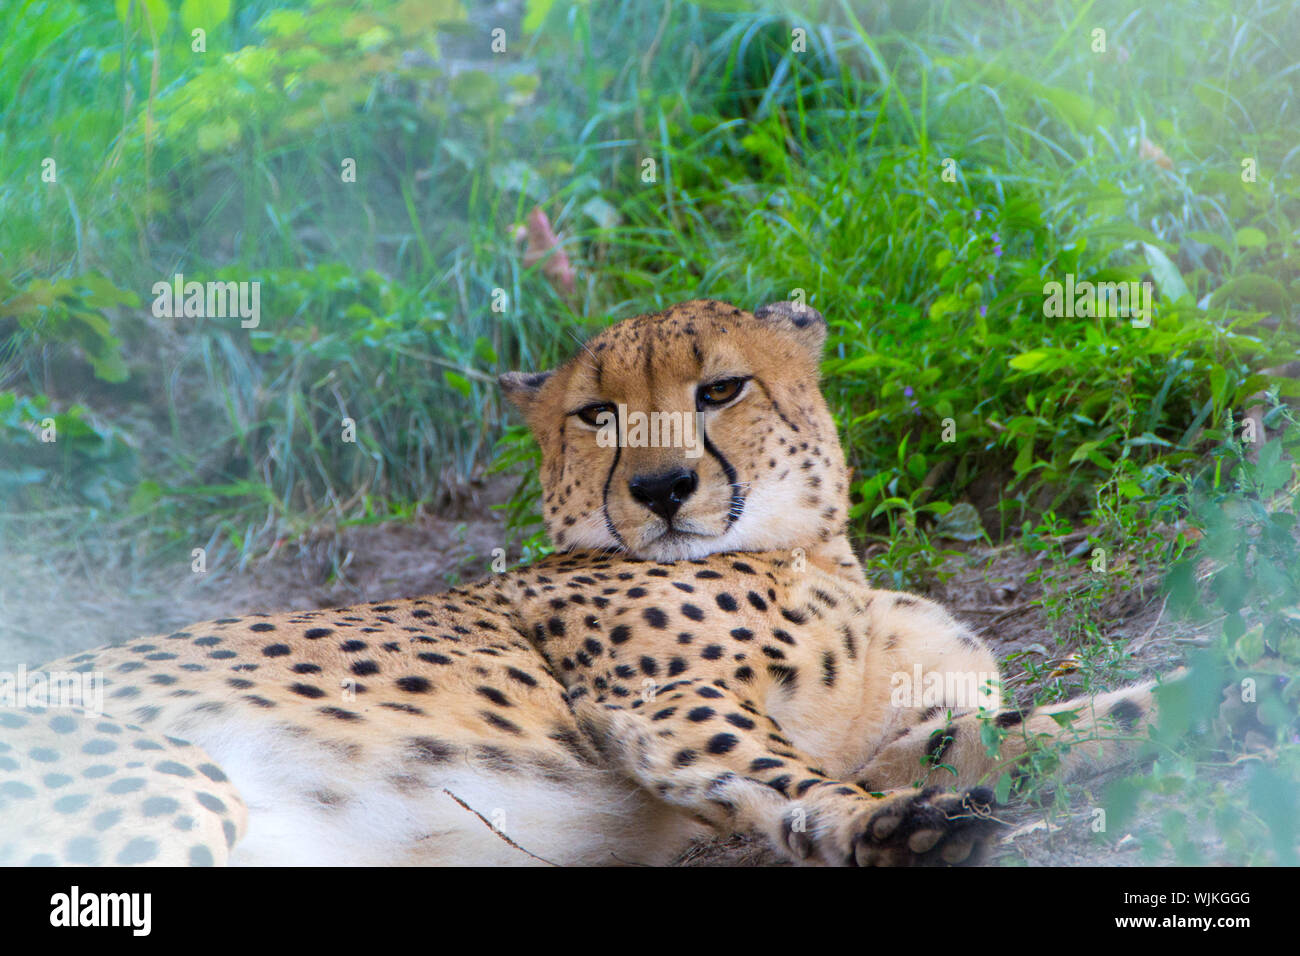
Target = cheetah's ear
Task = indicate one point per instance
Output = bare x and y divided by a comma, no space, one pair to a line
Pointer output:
801,321
522,388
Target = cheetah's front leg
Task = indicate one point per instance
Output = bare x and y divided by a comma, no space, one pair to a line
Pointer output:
718,758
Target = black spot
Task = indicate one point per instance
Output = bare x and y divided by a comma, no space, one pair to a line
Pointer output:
699,714
352,647
783,674
430,658
339,713
494,695
496,720
307,690
726,602
723,743
828,669
655,617
757,601
521,676
262,627
619,634
365,668
414,685
275,650
1009,718
316,633
403,708
781,783
1126,714
429,750
742,634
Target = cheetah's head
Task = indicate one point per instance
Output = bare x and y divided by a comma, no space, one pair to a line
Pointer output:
688,432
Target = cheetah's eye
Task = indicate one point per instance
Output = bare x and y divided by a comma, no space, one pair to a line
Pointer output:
719,392
591,414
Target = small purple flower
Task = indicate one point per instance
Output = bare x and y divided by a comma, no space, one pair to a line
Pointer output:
997,250
907,390
984,311
997,240
977,215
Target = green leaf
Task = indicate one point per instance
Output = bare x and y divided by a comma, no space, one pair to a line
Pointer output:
1002,792
1212,239
148,13
1248,237
962,523
1253,289
946,304
203,14
535,12
1168,278
1065,718
1031,360
144,496
457,381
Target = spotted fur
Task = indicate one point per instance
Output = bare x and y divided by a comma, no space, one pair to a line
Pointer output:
703,656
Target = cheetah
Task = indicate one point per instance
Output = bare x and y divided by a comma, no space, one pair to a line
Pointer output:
702,654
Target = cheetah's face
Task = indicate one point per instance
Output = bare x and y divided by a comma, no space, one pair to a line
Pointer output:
688,432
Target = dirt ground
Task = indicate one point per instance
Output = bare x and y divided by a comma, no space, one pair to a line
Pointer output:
989,590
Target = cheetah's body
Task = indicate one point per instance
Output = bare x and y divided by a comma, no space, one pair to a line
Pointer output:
599,706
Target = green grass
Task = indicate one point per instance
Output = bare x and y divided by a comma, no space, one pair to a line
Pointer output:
823,173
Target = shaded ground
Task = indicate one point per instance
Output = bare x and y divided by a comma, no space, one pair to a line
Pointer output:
46,613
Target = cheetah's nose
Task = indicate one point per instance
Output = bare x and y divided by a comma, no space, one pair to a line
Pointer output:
664,493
